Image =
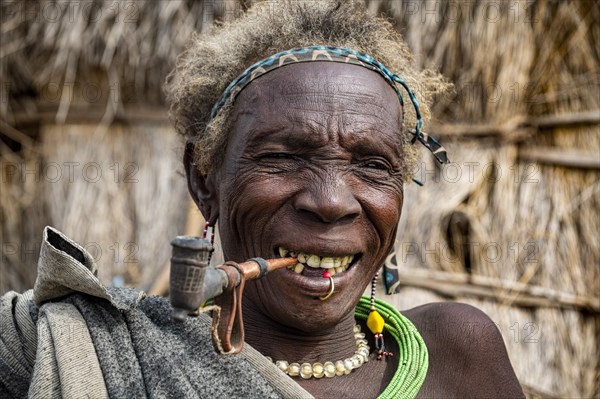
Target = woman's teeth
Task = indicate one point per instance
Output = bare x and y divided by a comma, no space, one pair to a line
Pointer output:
332,264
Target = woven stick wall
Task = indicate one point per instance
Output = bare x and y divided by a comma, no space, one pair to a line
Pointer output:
511,227
85,143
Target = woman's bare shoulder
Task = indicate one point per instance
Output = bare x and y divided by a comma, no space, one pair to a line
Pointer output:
467,355
447,311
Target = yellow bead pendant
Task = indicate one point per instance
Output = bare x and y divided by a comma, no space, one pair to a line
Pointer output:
375,322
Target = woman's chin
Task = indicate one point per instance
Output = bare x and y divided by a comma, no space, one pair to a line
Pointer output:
295,300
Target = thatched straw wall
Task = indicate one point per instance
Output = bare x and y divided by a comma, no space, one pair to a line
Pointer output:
81,95
126,199
514,223
119,191
511,227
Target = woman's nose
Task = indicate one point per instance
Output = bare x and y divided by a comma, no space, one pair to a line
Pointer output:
328,200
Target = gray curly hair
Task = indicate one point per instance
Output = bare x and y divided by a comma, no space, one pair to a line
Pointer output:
211,61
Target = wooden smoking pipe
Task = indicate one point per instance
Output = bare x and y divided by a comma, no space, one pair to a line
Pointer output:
193,281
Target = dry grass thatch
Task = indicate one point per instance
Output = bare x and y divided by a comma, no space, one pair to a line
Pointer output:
67,66
132,44
514,234
506,217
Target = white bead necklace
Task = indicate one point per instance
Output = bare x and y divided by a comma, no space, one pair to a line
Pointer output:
330,369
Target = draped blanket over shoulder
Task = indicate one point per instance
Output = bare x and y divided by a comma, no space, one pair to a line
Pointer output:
72,337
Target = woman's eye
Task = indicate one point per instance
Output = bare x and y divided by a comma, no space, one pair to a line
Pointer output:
279,162
379,165
278,155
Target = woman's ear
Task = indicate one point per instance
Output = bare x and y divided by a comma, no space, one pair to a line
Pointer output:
203,189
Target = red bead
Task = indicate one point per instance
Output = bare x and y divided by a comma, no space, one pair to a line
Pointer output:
326,275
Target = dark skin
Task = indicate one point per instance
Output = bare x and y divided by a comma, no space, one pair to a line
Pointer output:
314,164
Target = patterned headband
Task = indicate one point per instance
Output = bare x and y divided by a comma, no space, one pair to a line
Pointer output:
334,54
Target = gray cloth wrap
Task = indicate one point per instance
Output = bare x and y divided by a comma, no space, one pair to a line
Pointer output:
72,337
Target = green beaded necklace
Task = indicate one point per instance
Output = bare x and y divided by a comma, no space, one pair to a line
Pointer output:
413,357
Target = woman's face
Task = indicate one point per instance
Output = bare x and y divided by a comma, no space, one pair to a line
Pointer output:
313,165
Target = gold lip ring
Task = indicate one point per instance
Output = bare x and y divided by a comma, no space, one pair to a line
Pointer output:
330,293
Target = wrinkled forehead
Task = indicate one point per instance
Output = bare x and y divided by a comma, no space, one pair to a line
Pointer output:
326,88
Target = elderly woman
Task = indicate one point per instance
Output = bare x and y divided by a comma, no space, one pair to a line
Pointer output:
301,123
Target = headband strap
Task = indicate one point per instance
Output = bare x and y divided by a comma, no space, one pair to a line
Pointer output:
333,54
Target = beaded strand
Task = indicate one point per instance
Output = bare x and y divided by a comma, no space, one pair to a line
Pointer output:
373,287
376,323
330,369
212,239
413,356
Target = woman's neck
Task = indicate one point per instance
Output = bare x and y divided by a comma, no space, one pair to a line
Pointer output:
295,346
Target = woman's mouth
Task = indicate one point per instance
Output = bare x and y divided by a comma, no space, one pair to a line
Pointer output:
313,265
